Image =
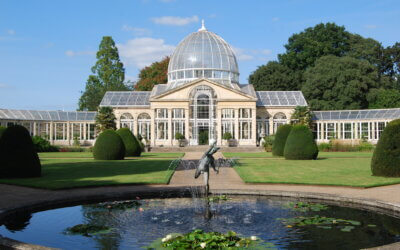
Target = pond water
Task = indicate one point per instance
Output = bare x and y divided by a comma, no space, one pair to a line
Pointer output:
270,219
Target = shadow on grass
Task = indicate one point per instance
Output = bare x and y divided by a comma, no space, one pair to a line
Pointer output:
57,174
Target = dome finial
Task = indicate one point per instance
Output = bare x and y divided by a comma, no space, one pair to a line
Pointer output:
203,28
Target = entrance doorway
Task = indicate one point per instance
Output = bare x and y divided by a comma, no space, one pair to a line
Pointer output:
203,135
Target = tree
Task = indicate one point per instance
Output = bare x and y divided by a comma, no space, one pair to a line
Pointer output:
105,119
303,49
300,144
302,115
275,76
384,98
152,75
339,83
393,64
108,75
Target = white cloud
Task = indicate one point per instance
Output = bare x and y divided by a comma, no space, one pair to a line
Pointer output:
11,32
275,19
251,54
141,52
371,26
3,86
136,31
175,20
72,53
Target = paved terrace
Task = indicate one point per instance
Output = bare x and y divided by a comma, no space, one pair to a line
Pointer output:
385,198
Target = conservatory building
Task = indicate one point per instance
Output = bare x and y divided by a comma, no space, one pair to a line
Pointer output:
203,101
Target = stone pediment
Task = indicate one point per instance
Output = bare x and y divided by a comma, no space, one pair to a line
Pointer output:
182,93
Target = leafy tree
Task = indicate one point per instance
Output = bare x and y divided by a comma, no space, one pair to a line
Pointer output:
108,75
384,98
393,66
105,119
152,75
304,48
275,76
339,83
302,115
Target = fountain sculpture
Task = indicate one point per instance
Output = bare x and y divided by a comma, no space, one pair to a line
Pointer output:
205,162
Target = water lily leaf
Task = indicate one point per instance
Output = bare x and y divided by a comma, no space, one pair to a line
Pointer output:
347,229
371,225
325,227
353,222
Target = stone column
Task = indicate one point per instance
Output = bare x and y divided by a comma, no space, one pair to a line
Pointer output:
170,133
51,132
254,126
187,125
322,131
152,128
271,125
135,126
237,125
34,128
219,123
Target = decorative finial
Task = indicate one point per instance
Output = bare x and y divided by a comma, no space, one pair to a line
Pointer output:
203,28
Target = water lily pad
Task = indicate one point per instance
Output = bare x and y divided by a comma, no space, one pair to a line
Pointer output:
347,229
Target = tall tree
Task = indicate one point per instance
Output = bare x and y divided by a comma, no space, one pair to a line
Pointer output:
152,75
339,83
108,75
275,76
384,98
305,47
105,119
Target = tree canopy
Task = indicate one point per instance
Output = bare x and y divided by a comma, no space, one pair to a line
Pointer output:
105,119
384,98
339,83
358,66
152,75
275,76
108,75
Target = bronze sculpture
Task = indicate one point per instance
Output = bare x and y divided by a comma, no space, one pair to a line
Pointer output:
205,162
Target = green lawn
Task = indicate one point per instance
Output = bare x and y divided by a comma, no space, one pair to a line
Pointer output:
90,155
354,172
69,173
320,155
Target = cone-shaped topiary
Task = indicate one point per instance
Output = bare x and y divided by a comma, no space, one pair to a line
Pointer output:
130,142
300,144
386,158
109,146
18,157
281,135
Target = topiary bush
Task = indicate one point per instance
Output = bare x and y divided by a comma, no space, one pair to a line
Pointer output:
43,145
268,142
18,158
386,158
2,129
131,144
280,139
300,144
227,136
141,144
109,146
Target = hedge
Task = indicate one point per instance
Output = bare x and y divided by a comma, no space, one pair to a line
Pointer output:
300,144
2,129
386,158
281,135
43,145
132,146
109,146
18,158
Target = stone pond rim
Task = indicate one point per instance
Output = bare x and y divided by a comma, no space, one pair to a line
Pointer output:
128,192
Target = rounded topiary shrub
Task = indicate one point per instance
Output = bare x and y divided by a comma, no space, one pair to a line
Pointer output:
300,144
18,157
2,129
131,144
109,146
280,139
386,158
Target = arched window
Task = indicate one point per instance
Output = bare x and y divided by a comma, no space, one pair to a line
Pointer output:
279,120
144,121
126,121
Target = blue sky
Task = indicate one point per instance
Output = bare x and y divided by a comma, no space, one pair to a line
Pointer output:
48,47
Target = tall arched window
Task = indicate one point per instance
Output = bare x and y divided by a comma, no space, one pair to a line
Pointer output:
126,121
202,115
144,121
279,120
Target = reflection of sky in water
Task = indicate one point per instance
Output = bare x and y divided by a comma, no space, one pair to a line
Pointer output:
247,216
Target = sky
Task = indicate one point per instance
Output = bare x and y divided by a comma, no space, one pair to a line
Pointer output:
47,48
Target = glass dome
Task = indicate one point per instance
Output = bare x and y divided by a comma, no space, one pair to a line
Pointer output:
203,54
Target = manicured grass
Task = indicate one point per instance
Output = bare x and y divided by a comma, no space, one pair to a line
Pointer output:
90,155
320,155
69,173
354,172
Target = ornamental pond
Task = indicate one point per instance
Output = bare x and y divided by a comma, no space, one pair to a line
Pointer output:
136,224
